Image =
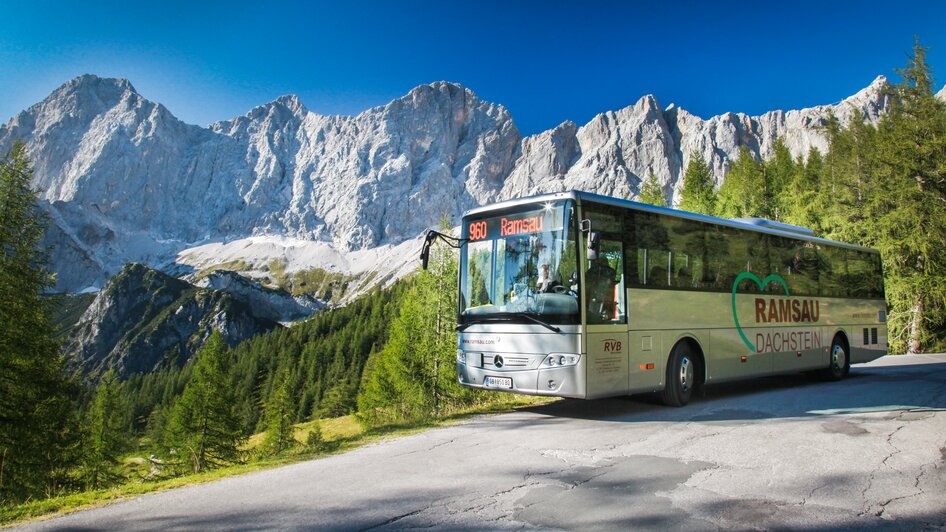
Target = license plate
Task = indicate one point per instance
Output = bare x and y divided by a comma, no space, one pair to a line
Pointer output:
498,382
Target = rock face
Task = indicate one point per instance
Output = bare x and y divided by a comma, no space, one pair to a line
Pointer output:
267,303
124,180
614,152
143,320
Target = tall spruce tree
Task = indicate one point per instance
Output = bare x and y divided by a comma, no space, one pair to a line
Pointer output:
414,376
847,181
746,190
204,430
698,193
35,410
778,171
278,417
106,433
907,215
651,192
801,200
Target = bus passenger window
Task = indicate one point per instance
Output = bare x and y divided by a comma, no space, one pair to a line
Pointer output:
659,275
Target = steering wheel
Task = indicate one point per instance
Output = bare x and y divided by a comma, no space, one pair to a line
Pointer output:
559,289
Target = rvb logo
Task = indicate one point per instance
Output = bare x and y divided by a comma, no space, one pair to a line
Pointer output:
612,346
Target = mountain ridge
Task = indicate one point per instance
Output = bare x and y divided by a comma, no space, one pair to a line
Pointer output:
124,180
143,320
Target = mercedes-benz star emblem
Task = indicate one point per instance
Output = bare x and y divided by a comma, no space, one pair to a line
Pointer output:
498,361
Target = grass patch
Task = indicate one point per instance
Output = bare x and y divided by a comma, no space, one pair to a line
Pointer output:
236,265
65,311
340,435
323,284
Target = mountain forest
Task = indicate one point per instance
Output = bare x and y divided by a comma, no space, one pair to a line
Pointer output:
387,358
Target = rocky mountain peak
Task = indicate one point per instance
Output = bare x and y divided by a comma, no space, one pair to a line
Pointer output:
143,319
107,90
126,181
291,102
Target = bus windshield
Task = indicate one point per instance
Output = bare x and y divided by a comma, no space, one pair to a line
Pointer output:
519,264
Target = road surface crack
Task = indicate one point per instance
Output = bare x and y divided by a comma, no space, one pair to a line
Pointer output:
394,519
811,493
869,507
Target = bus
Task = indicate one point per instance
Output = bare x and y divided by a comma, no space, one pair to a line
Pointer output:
586,296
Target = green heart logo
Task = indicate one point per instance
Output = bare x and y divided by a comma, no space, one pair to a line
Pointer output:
761,283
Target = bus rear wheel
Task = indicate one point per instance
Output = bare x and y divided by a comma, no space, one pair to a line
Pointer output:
837,361
681,377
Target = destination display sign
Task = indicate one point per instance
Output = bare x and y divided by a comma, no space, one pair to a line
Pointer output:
523,223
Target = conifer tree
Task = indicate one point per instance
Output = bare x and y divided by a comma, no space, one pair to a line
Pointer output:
778,171
746,191
698,193
35,412
204,431
651,192
278,413
414,376
314,441
801,199
907,214
847,180
106,433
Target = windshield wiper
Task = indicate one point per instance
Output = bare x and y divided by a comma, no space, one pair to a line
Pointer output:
508,317
529,316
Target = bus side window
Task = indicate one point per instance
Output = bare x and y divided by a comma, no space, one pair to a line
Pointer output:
659,269
604,276
716,251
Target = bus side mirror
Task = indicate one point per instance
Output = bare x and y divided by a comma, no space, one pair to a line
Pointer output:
594,245
454,242
593,239
425,251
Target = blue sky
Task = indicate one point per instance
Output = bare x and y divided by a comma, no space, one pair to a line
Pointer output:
545,61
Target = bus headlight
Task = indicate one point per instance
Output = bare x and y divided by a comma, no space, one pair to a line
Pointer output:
556,360
461,356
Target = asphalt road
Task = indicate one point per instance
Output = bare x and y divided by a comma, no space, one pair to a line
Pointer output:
867,453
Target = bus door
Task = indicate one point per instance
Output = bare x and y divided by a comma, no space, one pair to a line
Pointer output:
605,309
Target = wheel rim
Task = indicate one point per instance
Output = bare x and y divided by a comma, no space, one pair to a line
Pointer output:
838,357
686,374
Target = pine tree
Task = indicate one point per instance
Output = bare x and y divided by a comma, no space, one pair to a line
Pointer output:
414,375
847,181
746,191
698,193
906,214
802,199
203,430
278,415
106,433
314,441
779,171
651,192
35,410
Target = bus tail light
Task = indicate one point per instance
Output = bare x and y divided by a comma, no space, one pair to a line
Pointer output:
560,360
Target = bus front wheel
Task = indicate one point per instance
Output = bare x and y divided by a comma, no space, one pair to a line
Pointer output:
681,376
837,361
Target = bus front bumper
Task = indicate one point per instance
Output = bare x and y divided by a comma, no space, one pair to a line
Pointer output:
554,382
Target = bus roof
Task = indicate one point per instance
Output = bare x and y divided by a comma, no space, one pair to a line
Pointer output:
758,225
